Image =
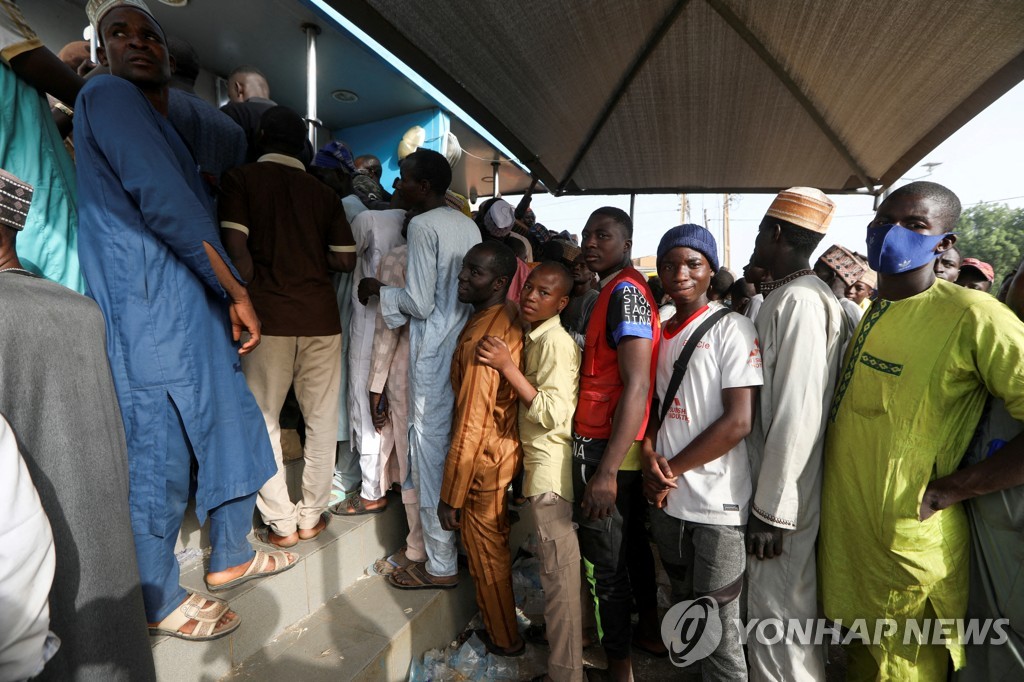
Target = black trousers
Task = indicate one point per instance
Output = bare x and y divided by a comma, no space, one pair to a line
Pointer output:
617,556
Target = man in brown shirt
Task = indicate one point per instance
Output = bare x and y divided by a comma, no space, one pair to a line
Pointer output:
485,453
285,231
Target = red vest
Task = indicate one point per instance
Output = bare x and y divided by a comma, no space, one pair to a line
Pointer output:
600,383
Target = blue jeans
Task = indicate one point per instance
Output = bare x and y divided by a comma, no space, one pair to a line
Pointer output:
230,523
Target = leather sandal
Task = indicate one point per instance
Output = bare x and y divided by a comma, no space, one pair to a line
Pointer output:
206,611
257,568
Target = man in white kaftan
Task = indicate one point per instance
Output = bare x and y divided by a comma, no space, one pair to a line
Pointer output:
438,237
800,327
333,165
376,233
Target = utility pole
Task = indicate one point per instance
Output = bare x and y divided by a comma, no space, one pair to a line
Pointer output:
684,209
725,227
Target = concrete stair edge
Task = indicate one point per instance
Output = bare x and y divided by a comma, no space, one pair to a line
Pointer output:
327,566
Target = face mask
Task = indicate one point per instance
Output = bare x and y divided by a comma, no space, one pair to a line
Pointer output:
893,249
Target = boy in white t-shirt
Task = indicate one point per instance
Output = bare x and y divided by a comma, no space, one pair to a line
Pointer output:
696,471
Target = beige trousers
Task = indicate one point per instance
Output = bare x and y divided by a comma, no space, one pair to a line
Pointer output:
313,365
559,554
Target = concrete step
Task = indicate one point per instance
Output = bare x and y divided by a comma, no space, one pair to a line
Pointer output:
328,565
371,632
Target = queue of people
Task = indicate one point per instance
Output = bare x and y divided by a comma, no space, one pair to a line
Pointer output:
842,438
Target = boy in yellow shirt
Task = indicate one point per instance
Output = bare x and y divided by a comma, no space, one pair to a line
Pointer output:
547,392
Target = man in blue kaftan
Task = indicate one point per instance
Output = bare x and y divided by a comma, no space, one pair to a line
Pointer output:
154,263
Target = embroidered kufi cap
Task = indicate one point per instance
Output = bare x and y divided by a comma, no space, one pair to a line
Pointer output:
804,207
841,261
97,9
500,218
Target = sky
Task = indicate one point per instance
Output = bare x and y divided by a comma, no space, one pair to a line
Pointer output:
981,162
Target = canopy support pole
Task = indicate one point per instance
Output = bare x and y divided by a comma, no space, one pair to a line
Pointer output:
312,31
632,206
496,165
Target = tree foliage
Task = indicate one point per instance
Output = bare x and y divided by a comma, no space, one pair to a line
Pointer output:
994,234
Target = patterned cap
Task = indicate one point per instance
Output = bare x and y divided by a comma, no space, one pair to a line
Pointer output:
981,266
804,207
366,188
841,261
458,202
97,9
500,218
560,249
336,154
870,277
15,199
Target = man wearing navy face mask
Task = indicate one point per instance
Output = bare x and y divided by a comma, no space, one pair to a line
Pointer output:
894,539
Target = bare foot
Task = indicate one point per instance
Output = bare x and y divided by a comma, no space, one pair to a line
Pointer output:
310,533
269,537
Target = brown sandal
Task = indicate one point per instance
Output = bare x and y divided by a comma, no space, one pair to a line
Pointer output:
356,506
416,573
396,562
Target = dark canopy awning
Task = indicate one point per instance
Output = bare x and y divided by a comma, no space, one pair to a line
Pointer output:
618,96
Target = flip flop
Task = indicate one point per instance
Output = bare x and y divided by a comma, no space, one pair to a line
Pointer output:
206,618
497,650
256,569
390,564
354,506
422,580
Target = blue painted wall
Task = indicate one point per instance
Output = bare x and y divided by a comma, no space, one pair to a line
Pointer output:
381,138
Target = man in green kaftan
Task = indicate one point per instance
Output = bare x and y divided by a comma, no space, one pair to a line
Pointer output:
894,537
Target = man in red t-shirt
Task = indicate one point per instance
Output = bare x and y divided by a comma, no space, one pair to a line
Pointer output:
611,416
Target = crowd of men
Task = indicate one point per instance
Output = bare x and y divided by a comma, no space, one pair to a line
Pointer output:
840,439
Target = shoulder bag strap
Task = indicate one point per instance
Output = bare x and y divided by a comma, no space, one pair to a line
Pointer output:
679,367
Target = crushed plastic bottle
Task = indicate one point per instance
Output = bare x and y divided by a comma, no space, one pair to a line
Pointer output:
470,660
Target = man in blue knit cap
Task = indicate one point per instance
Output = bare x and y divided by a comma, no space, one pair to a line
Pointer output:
696,468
